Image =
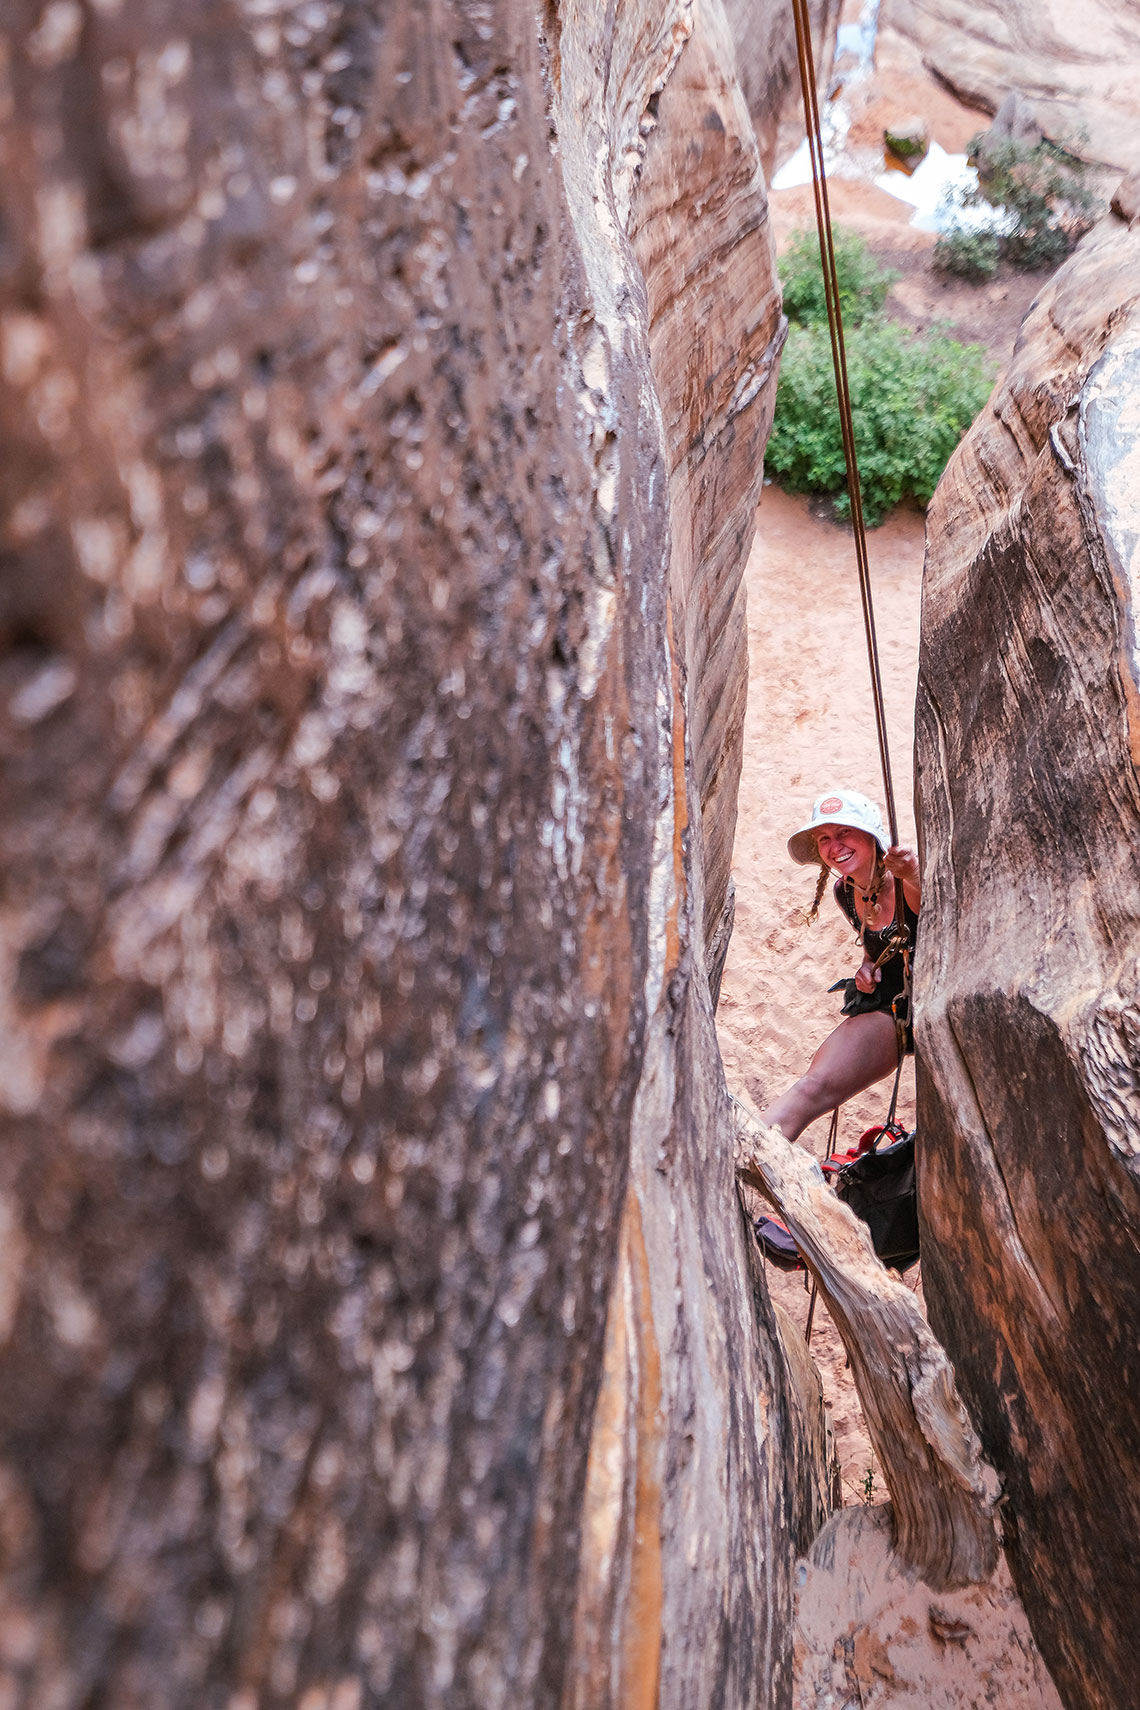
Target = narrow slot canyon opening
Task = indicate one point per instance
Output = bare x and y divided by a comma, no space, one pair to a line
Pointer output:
809,726
862,1623
810,723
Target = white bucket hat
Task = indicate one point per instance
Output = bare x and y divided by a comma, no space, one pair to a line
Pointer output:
837,807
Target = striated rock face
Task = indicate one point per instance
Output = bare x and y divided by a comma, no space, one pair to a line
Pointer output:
702,1484
715,335
383,395
1029,982
1076,66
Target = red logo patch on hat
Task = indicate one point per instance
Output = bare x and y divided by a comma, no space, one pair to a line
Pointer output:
831,805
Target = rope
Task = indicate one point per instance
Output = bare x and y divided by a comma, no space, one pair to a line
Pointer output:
832,1147
843,394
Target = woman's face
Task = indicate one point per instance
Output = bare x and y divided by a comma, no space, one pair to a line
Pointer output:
848,852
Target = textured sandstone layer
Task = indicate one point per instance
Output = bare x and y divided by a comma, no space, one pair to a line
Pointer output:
1029,981
1077,66
363,708
715,335
701,1477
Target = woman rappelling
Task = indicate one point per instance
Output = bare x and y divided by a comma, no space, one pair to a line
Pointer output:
845,836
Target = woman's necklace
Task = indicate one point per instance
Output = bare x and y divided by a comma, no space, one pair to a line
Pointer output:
870,899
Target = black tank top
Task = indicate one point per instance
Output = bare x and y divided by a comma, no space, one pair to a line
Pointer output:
874,943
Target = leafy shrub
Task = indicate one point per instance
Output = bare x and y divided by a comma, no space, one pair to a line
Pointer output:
863,281
1041,189
967,254
913,397
912,400
1044,188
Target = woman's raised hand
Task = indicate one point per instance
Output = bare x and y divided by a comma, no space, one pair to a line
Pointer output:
903,864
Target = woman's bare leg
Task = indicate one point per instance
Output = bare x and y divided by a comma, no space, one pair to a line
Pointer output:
862,1050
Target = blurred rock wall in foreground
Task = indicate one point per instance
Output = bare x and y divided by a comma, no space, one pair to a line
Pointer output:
383,395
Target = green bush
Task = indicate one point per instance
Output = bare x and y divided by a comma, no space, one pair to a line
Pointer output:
863,282
967,254
1042,191
913,397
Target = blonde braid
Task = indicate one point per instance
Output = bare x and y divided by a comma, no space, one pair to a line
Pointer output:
820,886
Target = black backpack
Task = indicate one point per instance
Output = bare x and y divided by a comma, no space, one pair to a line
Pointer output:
880,1187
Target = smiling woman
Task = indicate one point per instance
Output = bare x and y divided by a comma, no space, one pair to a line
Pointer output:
846,836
